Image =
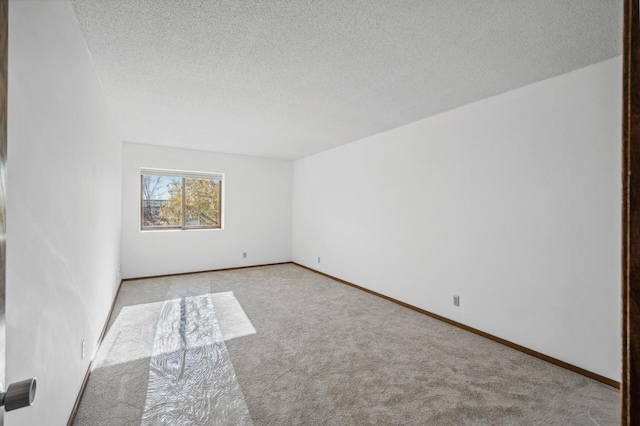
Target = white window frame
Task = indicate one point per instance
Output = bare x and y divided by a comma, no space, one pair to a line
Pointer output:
183,175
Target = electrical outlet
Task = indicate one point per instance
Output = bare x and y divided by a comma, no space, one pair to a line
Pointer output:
318,259
456,300
82,350
244,255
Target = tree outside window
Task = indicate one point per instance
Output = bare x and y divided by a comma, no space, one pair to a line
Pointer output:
170,201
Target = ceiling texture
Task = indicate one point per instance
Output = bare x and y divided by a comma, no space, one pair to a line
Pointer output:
290,78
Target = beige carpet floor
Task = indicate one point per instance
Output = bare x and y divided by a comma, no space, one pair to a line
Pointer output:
291,347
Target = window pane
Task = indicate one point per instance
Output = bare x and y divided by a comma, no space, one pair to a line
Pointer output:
202,202
161,201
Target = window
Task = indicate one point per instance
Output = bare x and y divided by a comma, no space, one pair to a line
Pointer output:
180,200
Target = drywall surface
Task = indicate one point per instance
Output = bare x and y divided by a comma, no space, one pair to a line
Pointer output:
63,208
256,214
512,203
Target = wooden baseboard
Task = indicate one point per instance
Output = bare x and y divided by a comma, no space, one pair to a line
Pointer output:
208,270
512,345
74,411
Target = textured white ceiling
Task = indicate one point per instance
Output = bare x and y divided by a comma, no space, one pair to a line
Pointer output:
289,78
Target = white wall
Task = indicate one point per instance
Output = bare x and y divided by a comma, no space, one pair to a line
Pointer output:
257,214
512,202
63,208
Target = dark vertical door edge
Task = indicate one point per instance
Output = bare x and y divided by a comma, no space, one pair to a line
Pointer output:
630,395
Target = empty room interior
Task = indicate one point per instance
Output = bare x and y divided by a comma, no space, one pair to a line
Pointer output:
315,212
